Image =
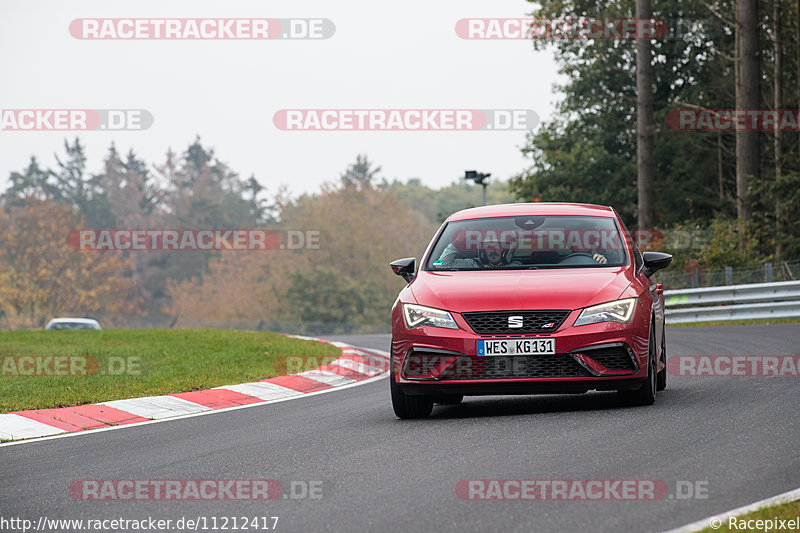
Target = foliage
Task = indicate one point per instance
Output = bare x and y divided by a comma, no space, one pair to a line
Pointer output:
41,277
727,245
346,280
587,151
437,205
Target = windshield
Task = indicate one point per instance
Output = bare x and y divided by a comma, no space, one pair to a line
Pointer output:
529,242
72,326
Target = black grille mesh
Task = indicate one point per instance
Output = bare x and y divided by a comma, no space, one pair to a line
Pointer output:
613,358
515,366
496,322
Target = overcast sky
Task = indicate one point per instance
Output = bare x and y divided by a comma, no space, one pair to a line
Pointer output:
382,55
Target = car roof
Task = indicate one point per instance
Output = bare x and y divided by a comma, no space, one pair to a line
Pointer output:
78,320
537,208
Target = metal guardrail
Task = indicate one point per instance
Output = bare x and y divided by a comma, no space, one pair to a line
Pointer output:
733,302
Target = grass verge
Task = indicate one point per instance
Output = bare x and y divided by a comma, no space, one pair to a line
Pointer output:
132,363
785,511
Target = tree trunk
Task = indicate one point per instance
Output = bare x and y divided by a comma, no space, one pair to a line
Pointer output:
747,98
778,104
719,172
645,179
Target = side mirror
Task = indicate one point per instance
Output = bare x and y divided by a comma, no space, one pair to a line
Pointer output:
404,268
654,261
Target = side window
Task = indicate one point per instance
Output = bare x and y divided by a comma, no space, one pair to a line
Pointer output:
637,257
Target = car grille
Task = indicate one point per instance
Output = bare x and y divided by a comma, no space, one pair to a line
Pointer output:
514,367
613,358
496,322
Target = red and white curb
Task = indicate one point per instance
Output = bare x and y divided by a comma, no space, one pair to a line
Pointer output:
353,366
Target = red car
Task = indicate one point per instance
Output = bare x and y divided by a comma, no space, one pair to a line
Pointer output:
528,299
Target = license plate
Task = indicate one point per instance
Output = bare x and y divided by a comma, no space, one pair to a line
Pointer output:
539,346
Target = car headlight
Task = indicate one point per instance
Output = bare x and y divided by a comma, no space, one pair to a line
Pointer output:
618,311
418,315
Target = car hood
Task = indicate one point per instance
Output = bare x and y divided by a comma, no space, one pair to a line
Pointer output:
519,289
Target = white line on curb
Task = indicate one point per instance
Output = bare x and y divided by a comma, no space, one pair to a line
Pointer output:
155,407
204,413
19,427
262,390
785,497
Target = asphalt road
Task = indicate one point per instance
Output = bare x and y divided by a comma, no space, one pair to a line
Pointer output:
739,438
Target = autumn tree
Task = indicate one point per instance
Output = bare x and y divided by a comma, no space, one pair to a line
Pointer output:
346,280
42,277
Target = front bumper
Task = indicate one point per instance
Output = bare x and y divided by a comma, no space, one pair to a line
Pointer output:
605,356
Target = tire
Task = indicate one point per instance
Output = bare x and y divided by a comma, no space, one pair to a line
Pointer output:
661,377
646,394
406,405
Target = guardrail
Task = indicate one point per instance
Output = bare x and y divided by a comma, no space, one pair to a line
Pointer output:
733,302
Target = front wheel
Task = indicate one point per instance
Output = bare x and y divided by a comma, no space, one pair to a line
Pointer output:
661,377
646,394
407,405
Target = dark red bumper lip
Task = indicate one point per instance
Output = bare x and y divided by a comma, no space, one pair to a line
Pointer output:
522,387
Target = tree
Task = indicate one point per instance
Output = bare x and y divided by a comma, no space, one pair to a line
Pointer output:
644,124
777,101
361,229
30,183
41,277
438,204
67,184
748,97
587,152
321,294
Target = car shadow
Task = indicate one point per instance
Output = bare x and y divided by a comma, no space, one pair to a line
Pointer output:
493,406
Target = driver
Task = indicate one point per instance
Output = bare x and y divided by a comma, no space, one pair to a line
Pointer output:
492,255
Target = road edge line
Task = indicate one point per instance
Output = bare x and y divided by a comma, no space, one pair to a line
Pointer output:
784,497
214,411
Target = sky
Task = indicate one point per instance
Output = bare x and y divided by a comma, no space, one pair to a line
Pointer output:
381,56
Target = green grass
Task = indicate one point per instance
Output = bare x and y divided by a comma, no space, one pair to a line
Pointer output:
766,321
784,511
169,361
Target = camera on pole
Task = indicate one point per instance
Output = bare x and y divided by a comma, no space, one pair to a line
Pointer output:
479,178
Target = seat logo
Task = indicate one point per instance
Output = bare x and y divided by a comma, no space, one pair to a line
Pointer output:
514,322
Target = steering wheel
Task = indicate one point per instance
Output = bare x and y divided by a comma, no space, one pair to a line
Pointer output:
578,258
